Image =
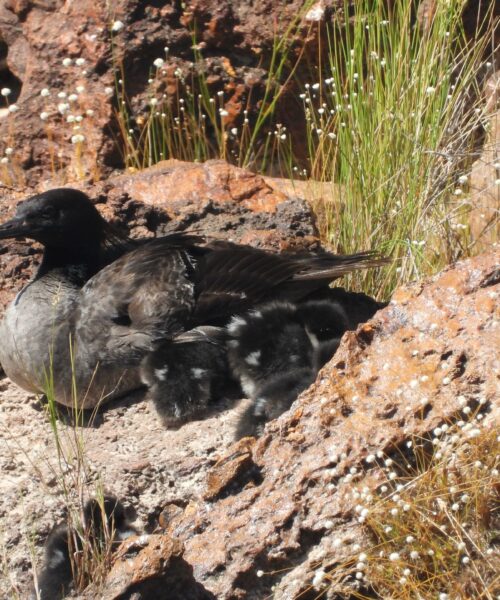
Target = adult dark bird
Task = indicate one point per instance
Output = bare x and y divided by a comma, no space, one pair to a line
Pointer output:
100,302
104,524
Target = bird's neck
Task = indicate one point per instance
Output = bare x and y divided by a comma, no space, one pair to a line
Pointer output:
61,257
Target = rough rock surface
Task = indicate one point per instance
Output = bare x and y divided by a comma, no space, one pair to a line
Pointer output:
213,199
280,505
127,452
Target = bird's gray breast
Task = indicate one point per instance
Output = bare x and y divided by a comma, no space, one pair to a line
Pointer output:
32,329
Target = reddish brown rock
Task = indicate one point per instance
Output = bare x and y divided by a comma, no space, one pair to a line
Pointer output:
396,378
152,567
233,471
213,199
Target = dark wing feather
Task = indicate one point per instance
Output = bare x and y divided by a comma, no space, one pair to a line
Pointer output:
231,277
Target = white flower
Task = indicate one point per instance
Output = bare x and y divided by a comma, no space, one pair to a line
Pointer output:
80,88
13,108
44,116
430,90
108,90
158,63
259,573
4,160
6,91
44,93
223,112
394,556
117,26
67,62
153,101
61,95
318,578
414,555
63,107
77,138
80,62
9,151
73,97
70,119
463,179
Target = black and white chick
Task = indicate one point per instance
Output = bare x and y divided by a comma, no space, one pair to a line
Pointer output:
266,342
104,522
186,374
272,399
292,342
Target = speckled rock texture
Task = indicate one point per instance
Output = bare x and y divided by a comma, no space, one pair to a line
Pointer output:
213,199
279,504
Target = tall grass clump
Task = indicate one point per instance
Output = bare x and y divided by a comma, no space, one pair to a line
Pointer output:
394,122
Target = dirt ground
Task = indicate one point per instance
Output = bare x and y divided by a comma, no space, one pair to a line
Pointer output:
126,451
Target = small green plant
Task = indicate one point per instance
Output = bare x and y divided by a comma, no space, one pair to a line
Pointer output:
91,557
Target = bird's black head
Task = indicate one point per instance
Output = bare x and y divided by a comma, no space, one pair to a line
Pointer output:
325,319
107,513
62,218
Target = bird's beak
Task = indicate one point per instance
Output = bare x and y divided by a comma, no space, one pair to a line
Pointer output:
16,227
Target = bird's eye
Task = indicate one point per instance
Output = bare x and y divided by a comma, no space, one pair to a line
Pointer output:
49,212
